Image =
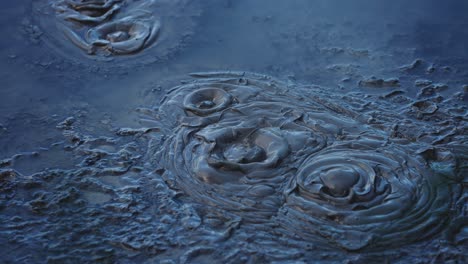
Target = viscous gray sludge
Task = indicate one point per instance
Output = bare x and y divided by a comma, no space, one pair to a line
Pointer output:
365,194
137,29
231,151
105,28
247,144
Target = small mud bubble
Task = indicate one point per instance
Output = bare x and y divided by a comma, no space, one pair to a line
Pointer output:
118,36
206,101
124,36
338,181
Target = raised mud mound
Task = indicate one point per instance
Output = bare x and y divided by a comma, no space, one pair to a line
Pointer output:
115,30
321,169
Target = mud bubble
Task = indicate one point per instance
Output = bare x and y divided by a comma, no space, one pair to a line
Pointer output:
115,30
124,36
315,164
236,139
361,194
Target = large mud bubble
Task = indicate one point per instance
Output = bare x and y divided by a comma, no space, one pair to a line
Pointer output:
336,171
124,31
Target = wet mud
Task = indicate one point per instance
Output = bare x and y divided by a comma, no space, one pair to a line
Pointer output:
232,157
101,30
305,160
135,131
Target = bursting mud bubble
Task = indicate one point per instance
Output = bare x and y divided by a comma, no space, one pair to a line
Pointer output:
247,131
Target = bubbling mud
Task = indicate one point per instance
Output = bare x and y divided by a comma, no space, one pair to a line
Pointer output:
235,141
320,172
206,101
124,36
135,31
108,29
365,194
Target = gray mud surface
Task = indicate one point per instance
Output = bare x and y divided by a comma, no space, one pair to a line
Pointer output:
249,131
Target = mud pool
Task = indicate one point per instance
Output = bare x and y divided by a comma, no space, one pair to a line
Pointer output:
250,131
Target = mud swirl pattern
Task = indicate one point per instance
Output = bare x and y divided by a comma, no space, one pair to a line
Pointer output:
103,29
248,145
363,194
233,141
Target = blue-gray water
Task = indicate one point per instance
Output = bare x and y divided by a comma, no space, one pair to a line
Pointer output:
337,133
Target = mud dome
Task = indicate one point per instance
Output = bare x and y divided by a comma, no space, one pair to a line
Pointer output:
304,162
115,30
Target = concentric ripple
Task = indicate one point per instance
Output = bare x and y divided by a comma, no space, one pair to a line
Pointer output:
125,36
236,140
133,32
115,29
298,159
207,101
362,194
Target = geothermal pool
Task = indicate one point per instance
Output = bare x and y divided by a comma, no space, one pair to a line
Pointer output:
250,131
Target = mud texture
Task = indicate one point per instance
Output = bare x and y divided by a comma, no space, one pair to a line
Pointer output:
101,30
307,132
235,158
297,157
